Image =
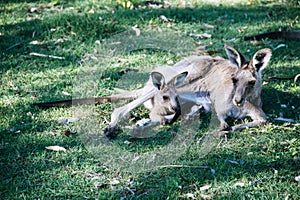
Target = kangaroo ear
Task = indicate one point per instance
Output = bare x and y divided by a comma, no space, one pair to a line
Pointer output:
158,80
261,59
234,56
179,79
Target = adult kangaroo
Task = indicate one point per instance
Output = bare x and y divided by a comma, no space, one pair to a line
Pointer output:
233,87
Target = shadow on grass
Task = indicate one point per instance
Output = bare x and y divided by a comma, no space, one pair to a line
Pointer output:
186,180
276,103
85,28
27,146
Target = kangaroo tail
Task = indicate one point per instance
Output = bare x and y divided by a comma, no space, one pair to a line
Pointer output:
91,100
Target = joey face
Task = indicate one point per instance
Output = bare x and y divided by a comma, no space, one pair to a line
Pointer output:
166,100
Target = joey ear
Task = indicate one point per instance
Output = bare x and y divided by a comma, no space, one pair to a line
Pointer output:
261,58
234,56
158,80
179,79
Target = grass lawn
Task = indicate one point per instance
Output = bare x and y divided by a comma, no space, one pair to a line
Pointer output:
64,49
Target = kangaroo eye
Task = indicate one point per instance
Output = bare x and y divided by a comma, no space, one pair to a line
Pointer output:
234,80
166,98
252,83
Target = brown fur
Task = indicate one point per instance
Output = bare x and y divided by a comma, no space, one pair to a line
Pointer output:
234,87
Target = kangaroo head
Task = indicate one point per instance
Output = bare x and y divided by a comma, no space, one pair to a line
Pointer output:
247,78
167,96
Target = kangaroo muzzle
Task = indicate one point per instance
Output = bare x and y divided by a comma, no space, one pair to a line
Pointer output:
238,101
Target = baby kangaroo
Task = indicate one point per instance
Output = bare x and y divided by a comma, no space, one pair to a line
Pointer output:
233,87
158,95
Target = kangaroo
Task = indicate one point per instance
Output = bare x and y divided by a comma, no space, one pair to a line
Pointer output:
233,87
158,95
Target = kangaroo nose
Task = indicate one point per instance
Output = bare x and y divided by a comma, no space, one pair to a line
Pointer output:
174,107
238,101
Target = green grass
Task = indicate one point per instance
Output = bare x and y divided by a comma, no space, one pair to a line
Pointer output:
263,161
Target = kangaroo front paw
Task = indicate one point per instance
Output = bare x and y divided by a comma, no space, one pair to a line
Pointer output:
143,128
225,127
111,132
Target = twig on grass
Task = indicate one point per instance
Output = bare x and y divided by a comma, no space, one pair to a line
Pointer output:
46,56
295,78
183,178
284,119
280,78
184,166
15,45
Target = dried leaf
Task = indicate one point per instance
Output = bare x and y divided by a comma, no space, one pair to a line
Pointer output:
29,114
170,62
66,93
114,182
61,40
165,19
34,10
284,143
66,120
189,195
136,30
206,35
91,11
56,148
208,26
239,184
55,29
207,196
233,162
242,29
52,133
127,142
100,185
205,187
200,35
34,42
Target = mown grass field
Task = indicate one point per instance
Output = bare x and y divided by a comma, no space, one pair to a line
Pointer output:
92,42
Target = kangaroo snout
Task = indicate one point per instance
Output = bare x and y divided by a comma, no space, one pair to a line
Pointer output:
174,107
238,101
